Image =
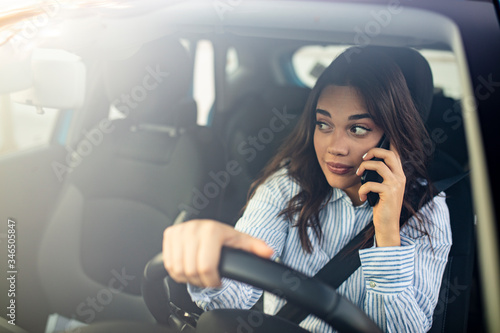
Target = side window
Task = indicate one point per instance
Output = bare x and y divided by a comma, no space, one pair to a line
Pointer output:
23,126
204,77
232,62
309,62
204,81
444,72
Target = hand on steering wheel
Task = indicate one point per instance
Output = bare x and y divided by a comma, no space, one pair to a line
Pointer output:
191,250
312,295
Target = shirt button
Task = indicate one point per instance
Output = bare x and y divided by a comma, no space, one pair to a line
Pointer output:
373,284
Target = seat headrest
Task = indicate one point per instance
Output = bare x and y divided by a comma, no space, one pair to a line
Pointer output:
292,97
149,85
417,73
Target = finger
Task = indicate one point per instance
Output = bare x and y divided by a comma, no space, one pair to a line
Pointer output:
389,158
379,153
260,248
172,254
176,248
378,166
207,262
397,167
394,150
251,244
190,262
371,187
165,252
167,261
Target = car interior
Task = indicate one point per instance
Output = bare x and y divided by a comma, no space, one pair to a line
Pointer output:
132,175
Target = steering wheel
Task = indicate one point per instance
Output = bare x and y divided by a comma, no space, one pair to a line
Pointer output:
310,294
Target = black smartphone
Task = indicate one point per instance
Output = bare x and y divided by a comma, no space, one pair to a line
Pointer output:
373,176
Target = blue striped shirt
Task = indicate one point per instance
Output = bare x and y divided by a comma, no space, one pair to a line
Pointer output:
397,287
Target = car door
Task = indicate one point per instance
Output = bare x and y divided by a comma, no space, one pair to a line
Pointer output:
32,151
29,186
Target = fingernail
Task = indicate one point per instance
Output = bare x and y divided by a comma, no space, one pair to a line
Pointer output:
365,155
357,171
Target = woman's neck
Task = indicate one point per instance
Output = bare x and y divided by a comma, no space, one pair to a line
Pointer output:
352,193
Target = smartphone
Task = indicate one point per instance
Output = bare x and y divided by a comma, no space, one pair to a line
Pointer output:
373,176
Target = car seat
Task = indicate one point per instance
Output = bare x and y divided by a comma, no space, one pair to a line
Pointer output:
140,175
445,123
253,133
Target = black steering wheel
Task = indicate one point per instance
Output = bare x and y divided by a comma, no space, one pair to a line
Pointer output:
310,294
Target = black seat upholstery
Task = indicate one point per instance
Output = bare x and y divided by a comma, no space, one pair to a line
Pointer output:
451,313
445,124
253,134
115,204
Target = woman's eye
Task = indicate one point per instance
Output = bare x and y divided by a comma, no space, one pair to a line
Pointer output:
360,130
322,126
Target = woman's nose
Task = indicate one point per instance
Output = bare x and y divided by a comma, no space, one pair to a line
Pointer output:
338,145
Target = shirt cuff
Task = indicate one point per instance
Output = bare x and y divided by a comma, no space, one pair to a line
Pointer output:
199,294
388,270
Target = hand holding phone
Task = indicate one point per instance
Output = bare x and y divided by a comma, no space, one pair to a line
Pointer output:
373,176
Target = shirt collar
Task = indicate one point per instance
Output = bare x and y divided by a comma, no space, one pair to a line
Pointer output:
336,194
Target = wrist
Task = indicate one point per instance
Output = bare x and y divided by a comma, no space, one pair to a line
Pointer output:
386,237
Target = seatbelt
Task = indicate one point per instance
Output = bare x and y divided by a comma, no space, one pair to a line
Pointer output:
347,261
444,184
334,273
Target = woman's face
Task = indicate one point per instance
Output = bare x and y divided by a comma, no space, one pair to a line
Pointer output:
344,132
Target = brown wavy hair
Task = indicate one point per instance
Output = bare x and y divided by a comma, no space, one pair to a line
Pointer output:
382,85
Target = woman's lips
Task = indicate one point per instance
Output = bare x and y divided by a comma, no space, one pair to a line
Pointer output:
338,168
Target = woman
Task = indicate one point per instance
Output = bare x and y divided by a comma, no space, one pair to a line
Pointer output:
310,203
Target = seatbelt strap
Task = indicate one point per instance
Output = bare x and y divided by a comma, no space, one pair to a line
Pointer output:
347,261
444,184
334,273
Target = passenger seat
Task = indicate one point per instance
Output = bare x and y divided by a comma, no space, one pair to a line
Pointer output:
114,206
